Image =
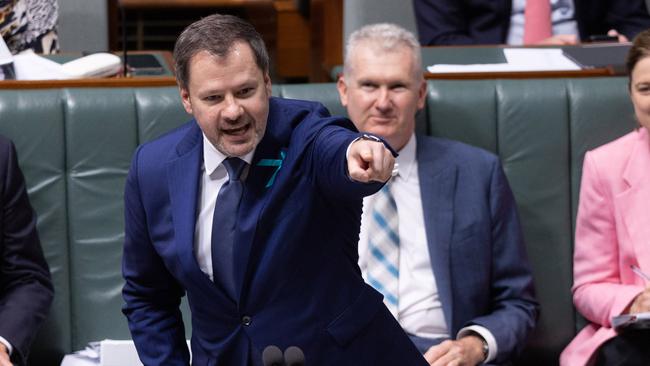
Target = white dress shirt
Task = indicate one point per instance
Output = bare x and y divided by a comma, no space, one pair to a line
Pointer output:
420,310
213,176
562,20
10,348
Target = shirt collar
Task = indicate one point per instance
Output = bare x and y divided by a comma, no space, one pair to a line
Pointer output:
406,159
212,157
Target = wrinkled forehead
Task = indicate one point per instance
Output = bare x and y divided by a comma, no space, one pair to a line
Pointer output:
238,49
219,73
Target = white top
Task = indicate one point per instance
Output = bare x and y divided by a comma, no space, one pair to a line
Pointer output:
420,310
10,348
213,176
562,18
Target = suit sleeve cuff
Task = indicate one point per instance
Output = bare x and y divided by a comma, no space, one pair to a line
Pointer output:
487,336
10,349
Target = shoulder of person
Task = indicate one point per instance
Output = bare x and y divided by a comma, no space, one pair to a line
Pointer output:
291,108
619,149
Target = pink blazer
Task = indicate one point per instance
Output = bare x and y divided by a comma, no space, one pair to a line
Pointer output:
612,233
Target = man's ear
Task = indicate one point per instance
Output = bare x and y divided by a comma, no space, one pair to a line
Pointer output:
267,84
343,90
185,98
422,94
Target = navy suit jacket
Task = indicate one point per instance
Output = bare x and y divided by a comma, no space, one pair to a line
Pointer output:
297,277
475,243
459,22
25,287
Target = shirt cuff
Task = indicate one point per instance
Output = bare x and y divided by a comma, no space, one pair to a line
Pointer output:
10,349
487,336
347,151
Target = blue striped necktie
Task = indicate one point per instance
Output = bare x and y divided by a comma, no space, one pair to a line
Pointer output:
382,271
224,223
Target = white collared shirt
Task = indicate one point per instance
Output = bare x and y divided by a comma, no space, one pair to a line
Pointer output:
10,348
420,309
213,176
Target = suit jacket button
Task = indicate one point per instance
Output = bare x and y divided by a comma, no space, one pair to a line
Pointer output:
246,320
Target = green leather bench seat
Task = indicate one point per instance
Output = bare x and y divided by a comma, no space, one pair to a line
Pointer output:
75,148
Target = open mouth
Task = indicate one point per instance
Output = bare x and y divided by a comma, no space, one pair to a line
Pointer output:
237,131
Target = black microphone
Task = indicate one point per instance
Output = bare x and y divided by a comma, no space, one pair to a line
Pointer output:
293,356
272,356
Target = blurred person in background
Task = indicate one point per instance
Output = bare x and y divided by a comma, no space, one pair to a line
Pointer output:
25,287
30,25
562,22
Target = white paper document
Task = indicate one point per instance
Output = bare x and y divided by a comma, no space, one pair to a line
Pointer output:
30,66
108,352
518,59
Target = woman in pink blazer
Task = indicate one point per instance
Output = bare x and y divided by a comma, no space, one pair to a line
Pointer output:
613,234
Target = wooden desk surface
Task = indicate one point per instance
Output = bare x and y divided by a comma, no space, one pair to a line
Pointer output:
116,82
144,4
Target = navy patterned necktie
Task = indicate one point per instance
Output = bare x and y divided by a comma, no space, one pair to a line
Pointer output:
224,223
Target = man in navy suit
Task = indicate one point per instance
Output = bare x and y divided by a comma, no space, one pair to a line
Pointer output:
464,289
461,22
289,274
25,287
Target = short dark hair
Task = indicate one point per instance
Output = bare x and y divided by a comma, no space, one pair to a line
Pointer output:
640,49
216,34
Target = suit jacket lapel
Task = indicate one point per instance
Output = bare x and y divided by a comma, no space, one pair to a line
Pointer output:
634,203
256,197
256,194
437,185
183,179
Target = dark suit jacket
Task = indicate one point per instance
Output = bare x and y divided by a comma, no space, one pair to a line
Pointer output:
298,281
475,243
458,22
25,287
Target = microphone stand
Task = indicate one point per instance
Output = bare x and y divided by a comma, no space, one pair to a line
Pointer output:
124,47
